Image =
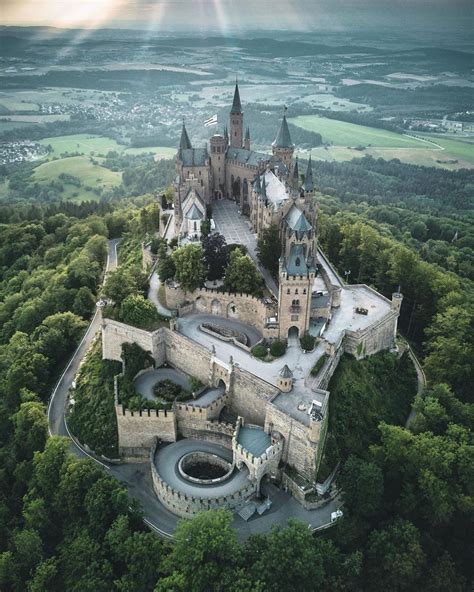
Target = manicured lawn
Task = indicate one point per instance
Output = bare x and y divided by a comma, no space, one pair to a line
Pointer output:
341,133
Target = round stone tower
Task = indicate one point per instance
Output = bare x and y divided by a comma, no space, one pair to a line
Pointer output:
285,379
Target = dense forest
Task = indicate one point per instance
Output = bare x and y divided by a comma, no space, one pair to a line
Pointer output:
407,491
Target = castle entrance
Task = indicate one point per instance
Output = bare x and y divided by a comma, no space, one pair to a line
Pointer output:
293,333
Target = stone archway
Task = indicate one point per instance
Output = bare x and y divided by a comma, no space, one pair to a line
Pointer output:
200,304
293,332
216,307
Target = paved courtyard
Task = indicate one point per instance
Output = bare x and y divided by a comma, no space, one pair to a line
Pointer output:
236,229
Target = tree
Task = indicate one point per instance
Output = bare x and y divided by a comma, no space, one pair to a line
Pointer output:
204,557
362,486
190,268
138,311
241,274
84,303
31,428
165,267
123,282
216,255
395,557
269,248
285,559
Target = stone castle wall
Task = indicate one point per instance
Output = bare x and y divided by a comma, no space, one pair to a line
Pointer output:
242,307
375,338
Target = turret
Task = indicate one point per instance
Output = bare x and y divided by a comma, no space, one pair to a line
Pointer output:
247,139
283,147
295,177
184,142
308,184
285,379
236,121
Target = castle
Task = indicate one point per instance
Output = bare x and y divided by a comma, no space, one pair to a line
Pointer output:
253,420
267,189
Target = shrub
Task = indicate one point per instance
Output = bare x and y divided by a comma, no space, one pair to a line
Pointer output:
169,391
259,351
307,342
319,364
278,348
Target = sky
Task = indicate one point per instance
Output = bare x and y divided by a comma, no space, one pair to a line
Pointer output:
237,15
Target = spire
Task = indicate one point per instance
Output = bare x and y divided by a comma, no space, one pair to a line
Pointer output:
285,372
308,184
184,142
283,139
296,174
236,106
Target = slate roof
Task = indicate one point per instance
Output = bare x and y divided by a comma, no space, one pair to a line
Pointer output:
184,143
308,184
283,139
194,213
194,156
297,221
244,156
236,105
296,264
285,372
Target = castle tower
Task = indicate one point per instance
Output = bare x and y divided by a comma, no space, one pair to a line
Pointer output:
295,177
218,145
285,379
283,147
247,139
236,121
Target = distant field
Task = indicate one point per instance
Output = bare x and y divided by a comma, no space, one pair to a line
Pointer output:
33,119
14,104
100,145
91,176
341,133
427,150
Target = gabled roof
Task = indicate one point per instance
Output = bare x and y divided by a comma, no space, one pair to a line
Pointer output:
297,221
308,184
283,139
184,143
236,106
194,213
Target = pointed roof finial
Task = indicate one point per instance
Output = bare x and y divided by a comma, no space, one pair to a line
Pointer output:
283,139
308,184
184,142
236,105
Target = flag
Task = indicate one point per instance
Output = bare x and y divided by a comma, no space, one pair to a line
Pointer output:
211,121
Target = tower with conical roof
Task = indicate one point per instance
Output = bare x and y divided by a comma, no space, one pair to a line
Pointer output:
283,147
236,120
247,139
184,142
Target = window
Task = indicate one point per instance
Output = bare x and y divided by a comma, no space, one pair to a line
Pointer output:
297,262
304,291
295,317
288,291
296,291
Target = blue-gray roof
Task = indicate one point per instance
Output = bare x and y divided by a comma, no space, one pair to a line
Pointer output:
255,159
285,372
283,139
194,213
236,106
296,220
194,156
184,143
308,184
297,264
255,440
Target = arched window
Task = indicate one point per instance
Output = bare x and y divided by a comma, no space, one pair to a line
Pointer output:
304,291
296,291
297,262
288,291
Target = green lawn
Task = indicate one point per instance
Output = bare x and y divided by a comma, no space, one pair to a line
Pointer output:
341,133
99,145
91,175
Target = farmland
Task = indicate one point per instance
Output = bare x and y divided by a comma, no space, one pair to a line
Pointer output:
344,141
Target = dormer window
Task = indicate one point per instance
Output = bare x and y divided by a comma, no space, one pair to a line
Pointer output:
297,262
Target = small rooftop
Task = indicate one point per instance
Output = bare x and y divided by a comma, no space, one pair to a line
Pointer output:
285,372
254,439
